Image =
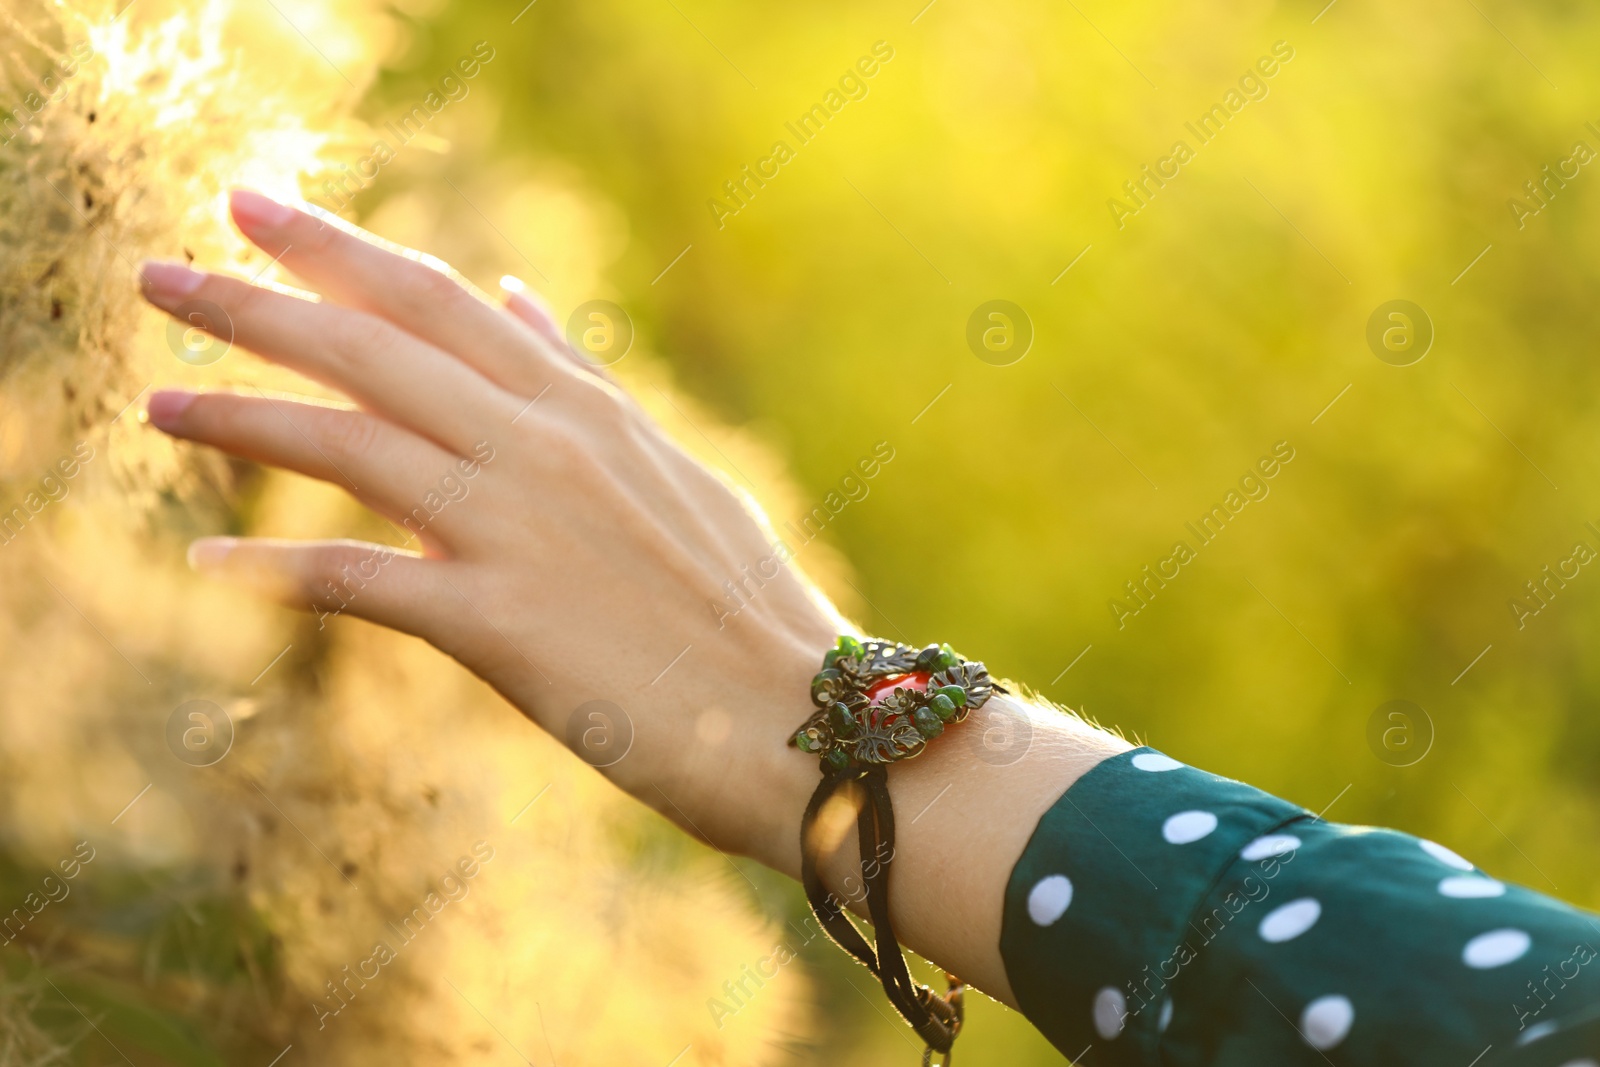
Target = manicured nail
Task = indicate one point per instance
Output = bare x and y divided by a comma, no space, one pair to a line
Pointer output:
254,211
208,553
520,297
167,407
524,304
168,283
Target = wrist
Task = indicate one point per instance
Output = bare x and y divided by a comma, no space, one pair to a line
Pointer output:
964,809
743,788
775,779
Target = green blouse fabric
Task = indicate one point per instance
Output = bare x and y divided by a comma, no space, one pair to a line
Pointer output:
1164,916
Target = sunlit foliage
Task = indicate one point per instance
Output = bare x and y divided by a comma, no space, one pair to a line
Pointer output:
387,865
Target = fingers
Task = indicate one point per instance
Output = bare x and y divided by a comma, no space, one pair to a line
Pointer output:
357,270
377,364
331,578
396,473
528,309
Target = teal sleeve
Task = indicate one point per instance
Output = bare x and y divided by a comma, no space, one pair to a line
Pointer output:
1161,916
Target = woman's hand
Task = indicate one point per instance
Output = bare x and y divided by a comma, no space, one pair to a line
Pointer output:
571,552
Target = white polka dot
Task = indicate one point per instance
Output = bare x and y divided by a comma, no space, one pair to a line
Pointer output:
1326,1021
1155,761
1471,887
1048,900
1187,826
1271,845
1536,1031
1289,921
1496,948
1110,1012
1444,855
1165,1018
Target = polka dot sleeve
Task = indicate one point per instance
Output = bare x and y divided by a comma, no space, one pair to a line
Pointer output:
1164,916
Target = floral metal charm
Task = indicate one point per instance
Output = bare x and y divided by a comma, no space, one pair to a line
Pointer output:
878,701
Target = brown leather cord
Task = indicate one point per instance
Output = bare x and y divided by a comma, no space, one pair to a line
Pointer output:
936,1019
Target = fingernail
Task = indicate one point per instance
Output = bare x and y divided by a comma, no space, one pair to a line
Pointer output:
252,210
168,282
208,553
524,303
519,295
165,408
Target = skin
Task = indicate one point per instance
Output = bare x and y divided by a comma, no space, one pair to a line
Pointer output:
583,565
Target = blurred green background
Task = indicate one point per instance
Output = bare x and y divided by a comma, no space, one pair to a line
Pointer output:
1182,345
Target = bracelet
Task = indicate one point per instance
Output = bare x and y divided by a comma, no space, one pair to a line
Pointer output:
879,702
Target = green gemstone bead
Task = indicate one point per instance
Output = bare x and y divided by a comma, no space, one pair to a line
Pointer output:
830,658
826,682
844,724
927,723
849,646
807,741
943,707
955,693
838,758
